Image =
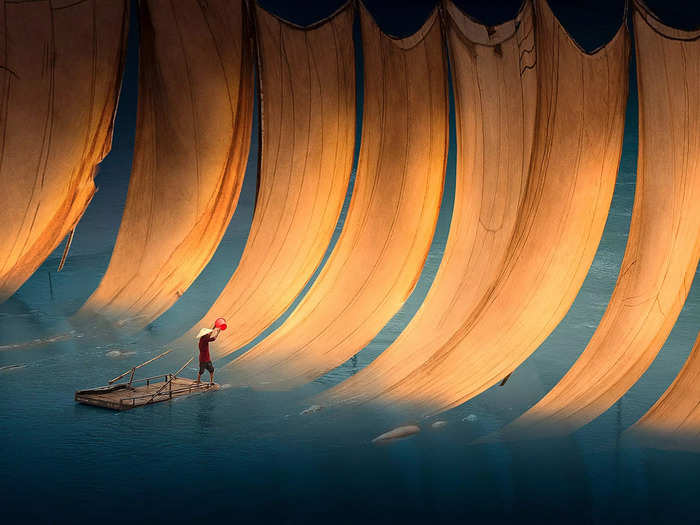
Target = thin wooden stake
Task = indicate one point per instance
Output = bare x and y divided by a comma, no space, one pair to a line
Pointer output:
65,250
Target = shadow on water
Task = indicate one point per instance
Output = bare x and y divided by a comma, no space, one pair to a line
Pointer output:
674,494
550,481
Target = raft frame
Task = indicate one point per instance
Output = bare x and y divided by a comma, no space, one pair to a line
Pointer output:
151,390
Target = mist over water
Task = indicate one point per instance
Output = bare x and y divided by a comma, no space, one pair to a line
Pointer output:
246,456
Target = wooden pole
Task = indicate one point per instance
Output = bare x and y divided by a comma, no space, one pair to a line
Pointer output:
139,366
181,368
65,250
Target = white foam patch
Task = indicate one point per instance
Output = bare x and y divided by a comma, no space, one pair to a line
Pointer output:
122,322
118,354
311,410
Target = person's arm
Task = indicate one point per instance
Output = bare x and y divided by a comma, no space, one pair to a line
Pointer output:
214,334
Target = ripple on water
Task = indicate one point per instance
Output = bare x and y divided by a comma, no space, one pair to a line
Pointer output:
8,368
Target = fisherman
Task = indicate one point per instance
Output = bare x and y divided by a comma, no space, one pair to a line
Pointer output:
206,336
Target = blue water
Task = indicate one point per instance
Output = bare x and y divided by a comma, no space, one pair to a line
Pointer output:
246,456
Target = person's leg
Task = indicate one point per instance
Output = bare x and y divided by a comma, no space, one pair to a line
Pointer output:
211,378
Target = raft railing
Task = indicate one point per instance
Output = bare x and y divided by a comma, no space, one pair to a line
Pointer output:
132,370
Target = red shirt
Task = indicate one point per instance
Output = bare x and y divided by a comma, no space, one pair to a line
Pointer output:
204,348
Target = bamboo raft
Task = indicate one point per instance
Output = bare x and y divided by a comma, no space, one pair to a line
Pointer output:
141,392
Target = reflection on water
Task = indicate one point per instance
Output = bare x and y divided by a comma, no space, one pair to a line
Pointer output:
267,456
